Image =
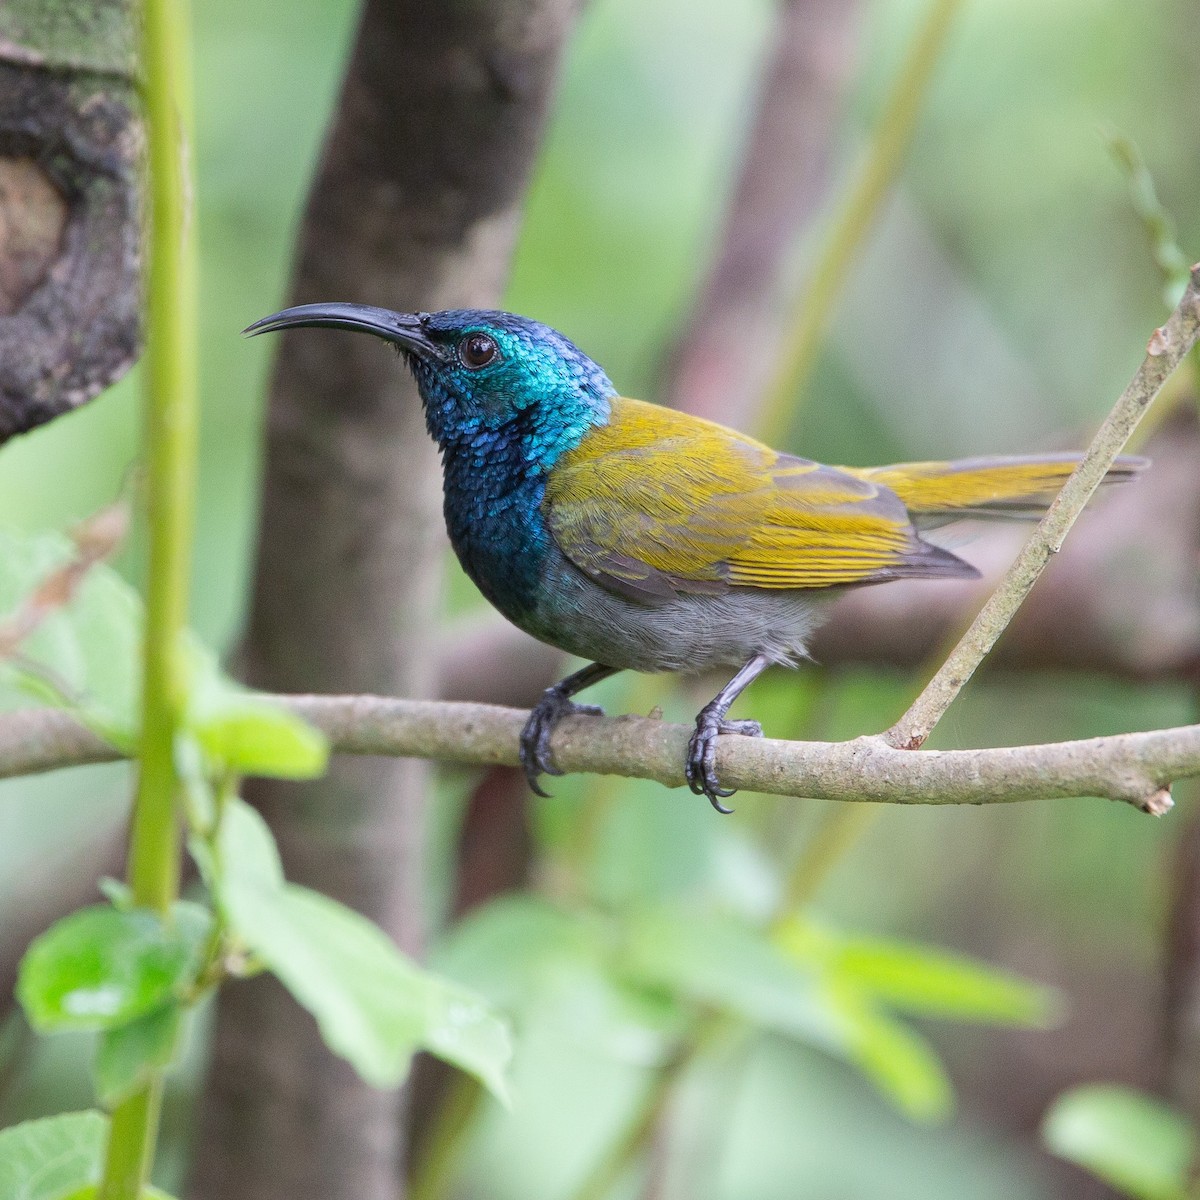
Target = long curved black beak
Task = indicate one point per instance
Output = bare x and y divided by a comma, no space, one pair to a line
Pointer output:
407,330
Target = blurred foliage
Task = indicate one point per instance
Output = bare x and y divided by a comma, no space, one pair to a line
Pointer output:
56,1158
133,976
1007,293
1141,1146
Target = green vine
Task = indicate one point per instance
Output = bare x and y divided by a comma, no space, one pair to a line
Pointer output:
170,455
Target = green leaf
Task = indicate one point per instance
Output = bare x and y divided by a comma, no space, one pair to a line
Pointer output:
897,1060
373,1005
247,858
1132,1141
85,655
509,948
246,732
725,964
524,953
52,1158
921,979
127,1057
253,737
116,891
101,967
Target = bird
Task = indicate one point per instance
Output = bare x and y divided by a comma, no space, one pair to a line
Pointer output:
639,537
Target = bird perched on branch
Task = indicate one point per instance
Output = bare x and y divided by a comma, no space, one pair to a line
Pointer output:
641,538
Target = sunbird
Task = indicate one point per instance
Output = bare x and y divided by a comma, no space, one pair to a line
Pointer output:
641,538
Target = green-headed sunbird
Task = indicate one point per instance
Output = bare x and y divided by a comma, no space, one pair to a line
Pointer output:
642,538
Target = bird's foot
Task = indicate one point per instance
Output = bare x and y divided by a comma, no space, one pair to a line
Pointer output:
701,767
535,737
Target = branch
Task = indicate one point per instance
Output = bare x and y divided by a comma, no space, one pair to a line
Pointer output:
1137,768
724,356
1168,347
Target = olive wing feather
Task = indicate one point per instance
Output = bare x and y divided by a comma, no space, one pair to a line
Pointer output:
658,503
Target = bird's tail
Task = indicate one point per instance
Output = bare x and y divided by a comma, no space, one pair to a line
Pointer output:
1015,487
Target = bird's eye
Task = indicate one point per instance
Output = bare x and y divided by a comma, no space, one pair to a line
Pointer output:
477,350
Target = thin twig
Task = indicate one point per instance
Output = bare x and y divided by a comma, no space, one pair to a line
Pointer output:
1168,347
888,148
1136,768
727,350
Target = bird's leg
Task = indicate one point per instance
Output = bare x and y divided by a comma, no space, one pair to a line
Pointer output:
555,704
701,766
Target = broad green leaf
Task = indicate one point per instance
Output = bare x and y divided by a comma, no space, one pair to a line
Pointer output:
524,953
507,948
247,858
254,737
374,1006
127,1056
1132,1141
102,967
244,731
52,1158
726,964
85,655
897,1060
921,979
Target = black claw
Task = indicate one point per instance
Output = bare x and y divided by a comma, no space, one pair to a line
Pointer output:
701,766
535,737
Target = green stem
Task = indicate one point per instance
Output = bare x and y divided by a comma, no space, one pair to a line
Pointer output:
839,830
888,148
639,1132
434,1172
170,454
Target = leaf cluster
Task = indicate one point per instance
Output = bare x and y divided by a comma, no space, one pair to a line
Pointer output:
132,976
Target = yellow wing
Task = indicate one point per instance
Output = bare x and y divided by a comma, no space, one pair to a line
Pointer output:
658,502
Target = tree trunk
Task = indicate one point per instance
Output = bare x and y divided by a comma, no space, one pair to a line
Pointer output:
415,206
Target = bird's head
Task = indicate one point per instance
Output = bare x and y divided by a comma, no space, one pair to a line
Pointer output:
478,371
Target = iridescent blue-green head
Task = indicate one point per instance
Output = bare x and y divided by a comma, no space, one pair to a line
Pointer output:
484,376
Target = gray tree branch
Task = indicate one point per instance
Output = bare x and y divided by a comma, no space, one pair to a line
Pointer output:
1137,768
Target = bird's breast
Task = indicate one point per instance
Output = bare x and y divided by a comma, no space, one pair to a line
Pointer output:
497,530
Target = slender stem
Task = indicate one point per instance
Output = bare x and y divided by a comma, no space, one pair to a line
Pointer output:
1168,346
170,452
131,1140
839,829
856,218
639,1131
434,1172
1168,257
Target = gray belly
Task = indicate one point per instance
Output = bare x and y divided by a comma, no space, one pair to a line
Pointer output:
687,633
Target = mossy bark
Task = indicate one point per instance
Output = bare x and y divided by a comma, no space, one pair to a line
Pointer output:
70,145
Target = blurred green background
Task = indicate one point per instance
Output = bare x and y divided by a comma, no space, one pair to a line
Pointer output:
1006,295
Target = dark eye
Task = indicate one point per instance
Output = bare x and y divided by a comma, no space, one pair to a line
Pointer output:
477,350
